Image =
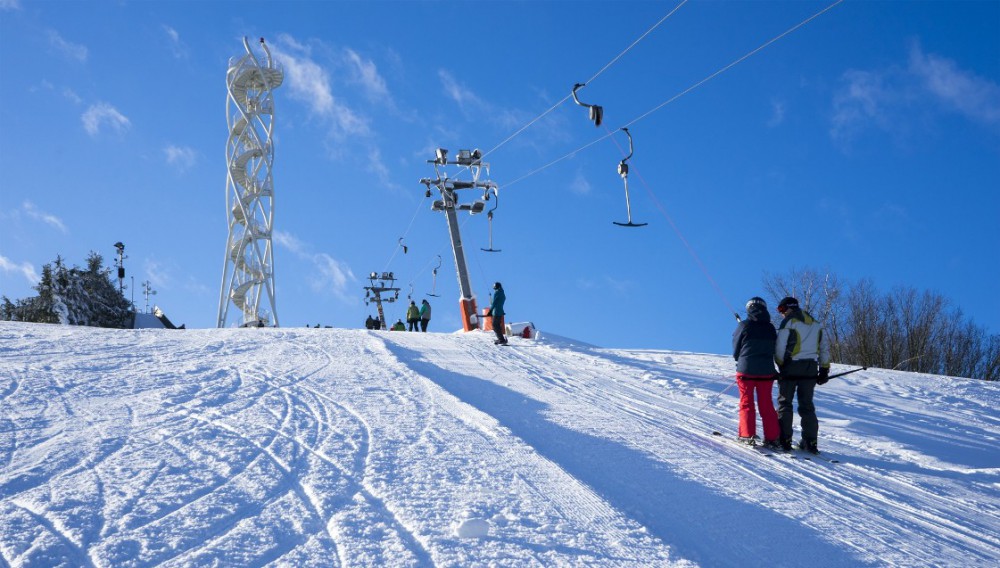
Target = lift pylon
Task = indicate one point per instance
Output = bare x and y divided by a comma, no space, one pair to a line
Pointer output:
374,292
470,160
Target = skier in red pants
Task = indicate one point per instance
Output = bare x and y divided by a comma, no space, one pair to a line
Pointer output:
753,349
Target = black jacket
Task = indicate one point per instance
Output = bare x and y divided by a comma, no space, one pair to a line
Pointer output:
753,344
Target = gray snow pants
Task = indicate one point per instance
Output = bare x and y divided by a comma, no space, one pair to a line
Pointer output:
787,389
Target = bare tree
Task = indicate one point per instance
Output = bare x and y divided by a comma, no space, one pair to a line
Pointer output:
904,329
819,293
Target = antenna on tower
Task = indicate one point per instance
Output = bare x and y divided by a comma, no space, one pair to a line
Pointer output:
147,290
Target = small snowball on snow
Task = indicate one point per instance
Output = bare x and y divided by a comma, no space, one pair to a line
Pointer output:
472,528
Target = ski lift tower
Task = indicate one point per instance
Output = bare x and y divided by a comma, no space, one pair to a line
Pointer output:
248,269
472,161
374,292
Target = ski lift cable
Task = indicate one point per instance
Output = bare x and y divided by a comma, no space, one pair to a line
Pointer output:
640,38
720,71
399,244
677,231
595,76
735,63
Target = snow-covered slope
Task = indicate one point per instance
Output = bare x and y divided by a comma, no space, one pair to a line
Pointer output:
325,447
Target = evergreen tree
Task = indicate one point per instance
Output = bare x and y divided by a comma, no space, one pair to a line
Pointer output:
73,296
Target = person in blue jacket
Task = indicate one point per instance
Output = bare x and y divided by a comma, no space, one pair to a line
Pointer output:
753,350
496,312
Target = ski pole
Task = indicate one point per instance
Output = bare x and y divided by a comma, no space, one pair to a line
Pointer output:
847,372
711,400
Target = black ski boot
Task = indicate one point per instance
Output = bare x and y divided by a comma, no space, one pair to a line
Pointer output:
786,444
808,446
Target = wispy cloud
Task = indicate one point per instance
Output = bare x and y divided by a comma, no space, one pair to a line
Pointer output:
158,274
777,114
975,97
10,5
614,285
181,158
24,269
366,74
889,99
71,50
177,47
71,95
863,101
580,185
467,100
330,275
310,83
34,212
102,115
551,128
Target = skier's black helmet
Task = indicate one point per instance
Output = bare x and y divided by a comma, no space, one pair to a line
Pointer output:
788,303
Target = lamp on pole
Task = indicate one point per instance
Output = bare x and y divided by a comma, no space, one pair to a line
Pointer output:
120,263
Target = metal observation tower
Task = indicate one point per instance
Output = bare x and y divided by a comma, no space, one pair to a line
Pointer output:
248,271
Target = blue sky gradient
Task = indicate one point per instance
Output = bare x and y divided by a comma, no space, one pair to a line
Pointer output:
866,142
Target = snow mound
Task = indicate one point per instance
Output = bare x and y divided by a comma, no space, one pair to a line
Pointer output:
473,528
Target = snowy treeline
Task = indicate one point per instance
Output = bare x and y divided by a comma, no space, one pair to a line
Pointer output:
903,329
73,296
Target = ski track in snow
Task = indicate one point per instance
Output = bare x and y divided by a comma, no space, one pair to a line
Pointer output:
358,448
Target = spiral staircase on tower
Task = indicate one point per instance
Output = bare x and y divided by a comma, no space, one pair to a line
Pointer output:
248,273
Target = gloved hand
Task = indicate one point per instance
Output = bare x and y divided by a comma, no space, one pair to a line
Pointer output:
824,376
489,313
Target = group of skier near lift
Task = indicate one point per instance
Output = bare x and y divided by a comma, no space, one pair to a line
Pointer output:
802,356
422,316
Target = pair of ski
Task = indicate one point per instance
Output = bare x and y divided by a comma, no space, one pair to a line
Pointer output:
793,454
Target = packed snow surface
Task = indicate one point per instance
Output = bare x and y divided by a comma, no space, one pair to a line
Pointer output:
328,447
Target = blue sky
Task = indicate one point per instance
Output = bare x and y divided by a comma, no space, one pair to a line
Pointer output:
866,143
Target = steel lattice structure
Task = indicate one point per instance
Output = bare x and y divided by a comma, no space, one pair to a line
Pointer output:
248,270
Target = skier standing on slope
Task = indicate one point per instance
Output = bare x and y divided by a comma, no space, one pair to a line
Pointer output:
803,359
425,314
496,312
413,316
753,350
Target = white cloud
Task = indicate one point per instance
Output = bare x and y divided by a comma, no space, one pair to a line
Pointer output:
71,50
896,99
10,5
72,96
32,211
177,47
24,269
310,83
973,96
289,241
367,75
103,114
862,101
459,93
580,185
777,114
158,275
329,275
181,157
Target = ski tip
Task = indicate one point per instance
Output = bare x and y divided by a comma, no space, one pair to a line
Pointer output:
716,433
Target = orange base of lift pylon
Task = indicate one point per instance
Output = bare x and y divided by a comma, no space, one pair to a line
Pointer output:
470,321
